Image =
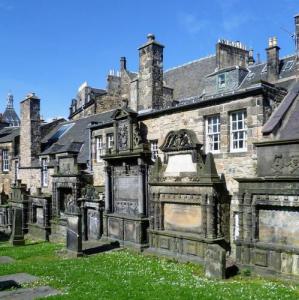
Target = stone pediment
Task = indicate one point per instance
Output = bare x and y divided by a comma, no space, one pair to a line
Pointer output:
180,140
123,112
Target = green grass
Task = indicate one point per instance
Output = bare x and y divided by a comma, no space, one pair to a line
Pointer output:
128,275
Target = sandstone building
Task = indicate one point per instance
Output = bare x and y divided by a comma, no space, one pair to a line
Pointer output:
170,161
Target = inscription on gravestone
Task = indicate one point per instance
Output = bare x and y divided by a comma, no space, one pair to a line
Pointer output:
215,262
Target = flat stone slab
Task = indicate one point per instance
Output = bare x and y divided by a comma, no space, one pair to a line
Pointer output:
15,280
29,294
6,260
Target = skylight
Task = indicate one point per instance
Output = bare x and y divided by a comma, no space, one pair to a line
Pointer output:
61,131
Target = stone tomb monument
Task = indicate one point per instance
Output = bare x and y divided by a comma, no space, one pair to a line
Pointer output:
92,205
74,229
126,206
189,205
19,206
266,225
39,215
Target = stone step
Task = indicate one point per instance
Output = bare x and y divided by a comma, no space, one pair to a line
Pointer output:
29,293
15,280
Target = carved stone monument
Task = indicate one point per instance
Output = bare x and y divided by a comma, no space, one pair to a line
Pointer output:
74,229
189,205
92,204
39,215
17,234
266,225
126,206
19,206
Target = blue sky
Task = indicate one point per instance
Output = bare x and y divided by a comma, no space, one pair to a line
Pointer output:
52,46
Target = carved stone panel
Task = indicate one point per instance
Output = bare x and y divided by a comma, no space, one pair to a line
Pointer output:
123,135
279,227
126,195
181,217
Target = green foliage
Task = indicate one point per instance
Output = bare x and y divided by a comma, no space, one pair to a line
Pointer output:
128,275
246,272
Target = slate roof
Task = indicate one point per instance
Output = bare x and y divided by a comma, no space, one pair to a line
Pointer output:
76,138
188,80
284,122
8,134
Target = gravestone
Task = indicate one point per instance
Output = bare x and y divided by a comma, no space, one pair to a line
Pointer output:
17,235
215,261
74,229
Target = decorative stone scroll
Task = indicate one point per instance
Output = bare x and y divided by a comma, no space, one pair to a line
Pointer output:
179,140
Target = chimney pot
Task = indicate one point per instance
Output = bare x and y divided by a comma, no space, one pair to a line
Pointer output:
150,37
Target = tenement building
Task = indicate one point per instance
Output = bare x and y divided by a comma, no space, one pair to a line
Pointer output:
174,162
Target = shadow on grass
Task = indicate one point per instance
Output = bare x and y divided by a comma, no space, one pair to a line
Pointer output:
231,271
101,248
8,284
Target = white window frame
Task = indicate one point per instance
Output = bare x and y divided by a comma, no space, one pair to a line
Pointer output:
154,149
5,160
238,127
211,135
110,140
100,150
221,81
45,174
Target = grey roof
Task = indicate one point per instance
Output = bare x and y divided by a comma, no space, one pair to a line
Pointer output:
258,72
8,134
286,116
75,139
188,80
11,117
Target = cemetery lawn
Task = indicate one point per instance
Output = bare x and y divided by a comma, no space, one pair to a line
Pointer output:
129,275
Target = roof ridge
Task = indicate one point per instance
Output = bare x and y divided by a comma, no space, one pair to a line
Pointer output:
190,62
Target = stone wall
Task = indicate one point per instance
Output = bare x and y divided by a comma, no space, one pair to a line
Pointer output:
31,177
6,177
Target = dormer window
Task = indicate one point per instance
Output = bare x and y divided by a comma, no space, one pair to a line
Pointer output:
221,81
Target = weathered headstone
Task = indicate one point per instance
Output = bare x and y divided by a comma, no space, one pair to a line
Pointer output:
215,261
74,230
17,235
6,260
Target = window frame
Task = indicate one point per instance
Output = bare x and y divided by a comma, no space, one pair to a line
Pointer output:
221,81
209,134
109,141
45,172
100,151
5,160
154,149
244,129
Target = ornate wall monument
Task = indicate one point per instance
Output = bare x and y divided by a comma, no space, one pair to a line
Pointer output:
266,225
189,201
126,203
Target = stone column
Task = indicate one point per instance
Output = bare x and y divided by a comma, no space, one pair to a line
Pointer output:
247,218
204,214
141,191
108,186
211,225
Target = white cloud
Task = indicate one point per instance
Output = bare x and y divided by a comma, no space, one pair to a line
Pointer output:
191,23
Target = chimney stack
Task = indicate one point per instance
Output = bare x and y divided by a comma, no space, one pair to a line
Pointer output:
251,59
123,64
30,138
272,60
297,33
150,79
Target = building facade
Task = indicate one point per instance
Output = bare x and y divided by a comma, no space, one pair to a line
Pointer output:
168,161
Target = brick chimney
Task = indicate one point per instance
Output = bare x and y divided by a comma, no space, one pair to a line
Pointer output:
123,64
150,80
272,60
230,54
30,137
